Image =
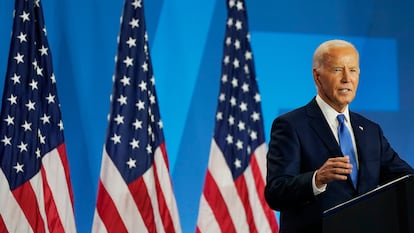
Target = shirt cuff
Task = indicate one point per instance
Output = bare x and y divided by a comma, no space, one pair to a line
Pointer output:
317,190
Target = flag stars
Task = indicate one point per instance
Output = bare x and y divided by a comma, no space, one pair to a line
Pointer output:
9,120
22,146
42,139
230,22
236,63
131,42
45,119
160,124
239,5
134,143
15,78
224,78
119,119
131,163
238,25
12,99
239,145
137,124
237,44
253,135
125,81
43,50
60,124
257,98
22,37
136,4
219,116
140,105
38,153
143,85
228,41
243,106
18,167
25,16
129,61
241,126
149,149
234,82
30,105
122,100
134,23
19,58
226,60
237,163
6,141
245,87
248,55
231,120
33,84
233,101
50,98
116,139
145,67
229,139
255,116
222,97
27,126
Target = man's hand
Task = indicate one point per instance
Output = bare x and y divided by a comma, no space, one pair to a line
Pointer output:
337,168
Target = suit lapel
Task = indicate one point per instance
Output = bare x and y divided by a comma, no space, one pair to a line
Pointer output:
321,128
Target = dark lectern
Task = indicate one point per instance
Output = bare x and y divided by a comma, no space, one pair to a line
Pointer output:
386,209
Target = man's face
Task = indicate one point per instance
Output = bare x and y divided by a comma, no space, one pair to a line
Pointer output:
337,78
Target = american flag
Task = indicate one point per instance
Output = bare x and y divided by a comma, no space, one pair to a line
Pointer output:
35,189
135,191
232,199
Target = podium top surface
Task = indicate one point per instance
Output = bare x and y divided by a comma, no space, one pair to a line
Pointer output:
369,194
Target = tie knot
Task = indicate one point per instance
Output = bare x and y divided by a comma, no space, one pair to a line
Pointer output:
341,118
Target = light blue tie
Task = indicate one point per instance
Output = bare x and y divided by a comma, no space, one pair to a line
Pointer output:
347,147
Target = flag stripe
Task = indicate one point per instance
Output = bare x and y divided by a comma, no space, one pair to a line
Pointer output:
215,199
266,223
12,214
164,212
243,192
119,194
209,223
52,216
139,193
26,197
108,213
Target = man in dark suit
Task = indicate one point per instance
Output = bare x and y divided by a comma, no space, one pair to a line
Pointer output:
308,169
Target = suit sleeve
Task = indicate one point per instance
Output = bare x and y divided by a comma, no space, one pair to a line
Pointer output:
286,186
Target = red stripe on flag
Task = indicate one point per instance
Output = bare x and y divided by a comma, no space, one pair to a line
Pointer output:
260,184
53,221
26,198
162,205
2,225
107,211
65,163
218,205
142,199
164,153
241,187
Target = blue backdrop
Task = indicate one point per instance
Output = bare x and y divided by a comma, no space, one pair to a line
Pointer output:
186,40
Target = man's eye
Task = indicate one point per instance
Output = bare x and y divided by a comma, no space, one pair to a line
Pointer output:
337,69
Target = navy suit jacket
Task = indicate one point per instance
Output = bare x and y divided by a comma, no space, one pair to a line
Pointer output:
301,141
